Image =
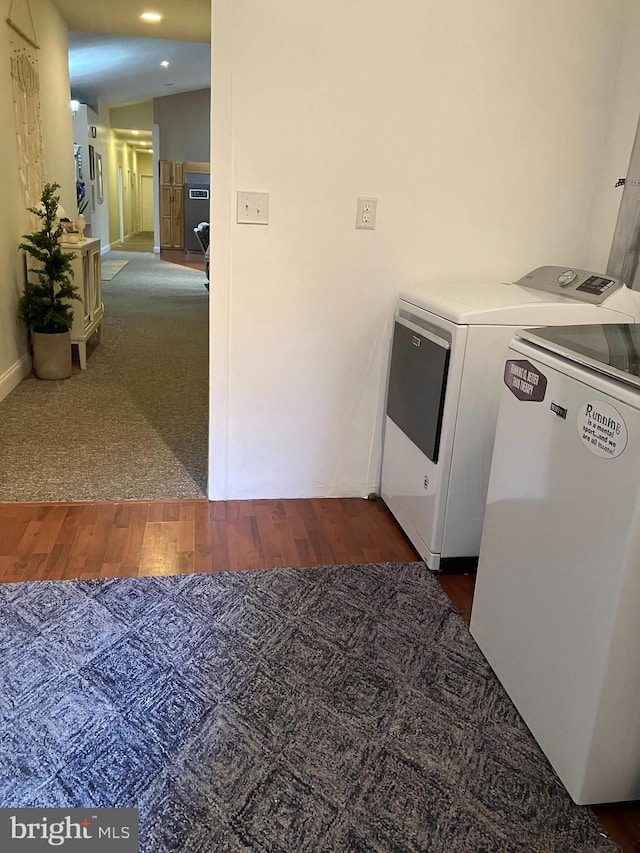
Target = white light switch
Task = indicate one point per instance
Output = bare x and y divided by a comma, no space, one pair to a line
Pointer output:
253,208
366,213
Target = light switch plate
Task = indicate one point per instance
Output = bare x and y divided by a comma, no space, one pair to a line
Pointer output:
253,208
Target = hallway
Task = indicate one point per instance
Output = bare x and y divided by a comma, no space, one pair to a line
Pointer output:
133,425
143,242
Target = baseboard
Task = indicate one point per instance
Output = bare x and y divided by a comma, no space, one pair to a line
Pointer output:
14,375
105,249
156,250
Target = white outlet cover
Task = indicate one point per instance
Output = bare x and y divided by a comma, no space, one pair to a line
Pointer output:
366,213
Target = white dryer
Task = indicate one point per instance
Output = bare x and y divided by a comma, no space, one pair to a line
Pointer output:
445,377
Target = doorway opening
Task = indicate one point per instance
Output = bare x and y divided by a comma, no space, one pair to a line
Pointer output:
624,258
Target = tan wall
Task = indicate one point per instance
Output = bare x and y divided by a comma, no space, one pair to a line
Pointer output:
136,116
184,122
58,162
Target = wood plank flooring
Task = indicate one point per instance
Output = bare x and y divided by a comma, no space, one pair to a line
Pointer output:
193,260
126,538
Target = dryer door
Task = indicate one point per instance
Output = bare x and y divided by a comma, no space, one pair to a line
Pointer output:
424,383
417,381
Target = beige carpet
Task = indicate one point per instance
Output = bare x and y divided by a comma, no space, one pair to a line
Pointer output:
134,423
142,241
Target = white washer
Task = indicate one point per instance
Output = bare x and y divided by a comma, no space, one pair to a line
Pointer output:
442,401
557,595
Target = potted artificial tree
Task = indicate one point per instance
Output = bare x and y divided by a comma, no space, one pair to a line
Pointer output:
44,305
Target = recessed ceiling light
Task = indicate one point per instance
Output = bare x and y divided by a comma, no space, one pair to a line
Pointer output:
151,16
165,63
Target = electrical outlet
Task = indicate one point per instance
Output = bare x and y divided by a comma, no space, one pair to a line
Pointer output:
366,213
253,208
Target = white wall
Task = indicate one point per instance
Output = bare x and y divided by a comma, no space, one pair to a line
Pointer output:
482,128
58,161
99,211
96,214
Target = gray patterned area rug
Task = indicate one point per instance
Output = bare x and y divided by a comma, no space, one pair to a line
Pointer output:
335,709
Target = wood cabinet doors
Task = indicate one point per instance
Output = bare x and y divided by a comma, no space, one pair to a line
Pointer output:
171,205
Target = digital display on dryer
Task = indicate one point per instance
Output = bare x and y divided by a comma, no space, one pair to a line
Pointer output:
596,284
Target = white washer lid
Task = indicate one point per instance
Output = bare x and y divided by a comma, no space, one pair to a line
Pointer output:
507,304
610,348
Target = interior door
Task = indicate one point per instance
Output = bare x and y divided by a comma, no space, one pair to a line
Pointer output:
121,203
146,191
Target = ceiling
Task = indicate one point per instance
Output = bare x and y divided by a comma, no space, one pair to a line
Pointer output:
126,70
115,56
183,20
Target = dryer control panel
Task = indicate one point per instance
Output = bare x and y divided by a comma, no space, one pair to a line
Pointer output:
581,285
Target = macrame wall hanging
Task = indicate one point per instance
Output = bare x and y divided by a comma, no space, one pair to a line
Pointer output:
26,100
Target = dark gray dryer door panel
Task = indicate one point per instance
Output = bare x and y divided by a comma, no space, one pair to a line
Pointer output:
417,385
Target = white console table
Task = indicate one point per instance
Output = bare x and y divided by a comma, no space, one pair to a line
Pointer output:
88,311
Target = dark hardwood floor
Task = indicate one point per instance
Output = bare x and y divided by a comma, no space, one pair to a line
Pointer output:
143,242
193,260
120,539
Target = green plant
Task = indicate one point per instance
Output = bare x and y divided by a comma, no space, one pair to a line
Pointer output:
44,305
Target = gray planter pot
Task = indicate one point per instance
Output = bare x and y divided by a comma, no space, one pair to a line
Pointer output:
51,355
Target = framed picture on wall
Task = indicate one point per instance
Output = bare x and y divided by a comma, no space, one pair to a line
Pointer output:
99,178
92,163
